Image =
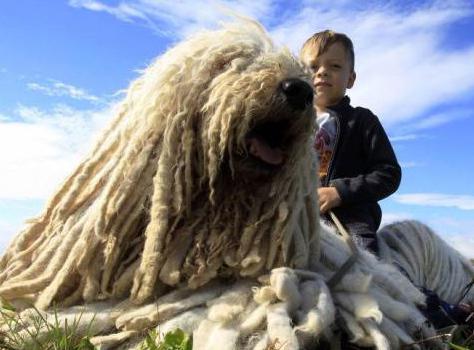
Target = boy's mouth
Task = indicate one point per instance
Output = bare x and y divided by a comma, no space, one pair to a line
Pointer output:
323,84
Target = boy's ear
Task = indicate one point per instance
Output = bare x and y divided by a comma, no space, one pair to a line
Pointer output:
352,79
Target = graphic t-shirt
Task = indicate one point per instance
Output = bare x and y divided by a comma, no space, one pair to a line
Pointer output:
324,142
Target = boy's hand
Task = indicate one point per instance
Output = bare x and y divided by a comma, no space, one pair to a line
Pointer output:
328,199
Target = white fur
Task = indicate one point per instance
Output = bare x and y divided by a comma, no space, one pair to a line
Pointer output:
427,259
279,327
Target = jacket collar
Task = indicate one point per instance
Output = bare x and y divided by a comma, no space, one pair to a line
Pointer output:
341,107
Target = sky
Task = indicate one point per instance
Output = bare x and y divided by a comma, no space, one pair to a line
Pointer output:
65,64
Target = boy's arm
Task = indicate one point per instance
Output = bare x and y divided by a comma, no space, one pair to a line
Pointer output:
383,174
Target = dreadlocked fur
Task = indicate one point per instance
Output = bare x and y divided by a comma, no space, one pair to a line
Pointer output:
173,221
427,260
150,205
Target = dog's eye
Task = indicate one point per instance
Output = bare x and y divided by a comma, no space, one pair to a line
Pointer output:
220,65
223,62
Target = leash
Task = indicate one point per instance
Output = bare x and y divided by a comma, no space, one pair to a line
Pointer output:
336,278
466,290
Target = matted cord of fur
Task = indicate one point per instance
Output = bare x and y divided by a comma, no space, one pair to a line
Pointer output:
197,209
427,260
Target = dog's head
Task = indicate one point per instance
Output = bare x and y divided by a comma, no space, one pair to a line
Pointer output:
239,109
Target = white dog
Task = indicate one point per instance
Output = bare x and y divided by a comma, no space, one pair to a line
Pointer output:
197,209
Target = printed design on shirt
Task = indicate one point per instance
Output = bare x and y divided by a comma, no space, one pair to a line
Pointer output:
324,142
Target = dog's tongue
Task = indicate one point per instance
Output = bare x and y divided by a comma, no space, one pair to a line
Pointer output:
260,149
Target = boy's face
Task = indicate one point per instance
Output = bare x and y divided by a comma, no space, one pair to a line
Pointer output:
332,74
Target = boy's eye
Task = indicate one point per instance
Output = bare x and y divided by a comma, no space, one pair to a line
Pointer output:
336,65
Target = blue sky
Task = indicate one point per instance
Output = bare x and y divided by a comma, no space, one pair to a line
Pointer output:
64,64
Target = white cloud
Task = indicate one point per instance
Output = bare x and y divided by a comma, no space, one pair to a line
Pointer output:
408,137
411,164
57,88
434,120
403,67
391,217
123,11
463,202
430,121
181,18
41,147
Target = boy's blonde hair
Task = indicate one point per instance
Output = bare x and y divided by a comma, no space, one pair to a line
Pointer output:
320,42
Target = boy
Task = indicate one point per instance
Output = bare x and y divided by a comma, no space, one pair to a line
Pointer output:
357,164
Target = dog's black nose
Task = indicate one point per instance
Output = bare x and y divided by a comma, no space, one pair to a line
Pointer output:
298,93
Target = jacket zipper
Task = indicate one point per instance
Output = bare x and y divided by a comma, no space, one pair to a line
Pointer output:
336,144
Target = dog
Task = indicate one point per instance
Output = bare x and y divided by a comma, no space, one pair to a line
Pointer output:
198,209
427,260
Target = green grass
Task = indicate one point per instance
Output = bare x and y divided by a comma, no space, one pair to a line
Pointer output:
175,340
462,338
39,333
44,334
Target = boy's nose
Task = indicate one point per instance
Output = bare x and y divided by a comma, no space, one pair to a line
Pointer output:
321,72
299,94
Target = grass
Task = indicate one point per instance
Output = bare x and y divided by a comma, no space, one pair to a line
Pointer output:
175,340
42,334
38,333
462,338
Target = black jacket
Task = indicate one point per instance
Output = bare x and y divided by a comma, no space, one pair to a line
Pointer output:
364,168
